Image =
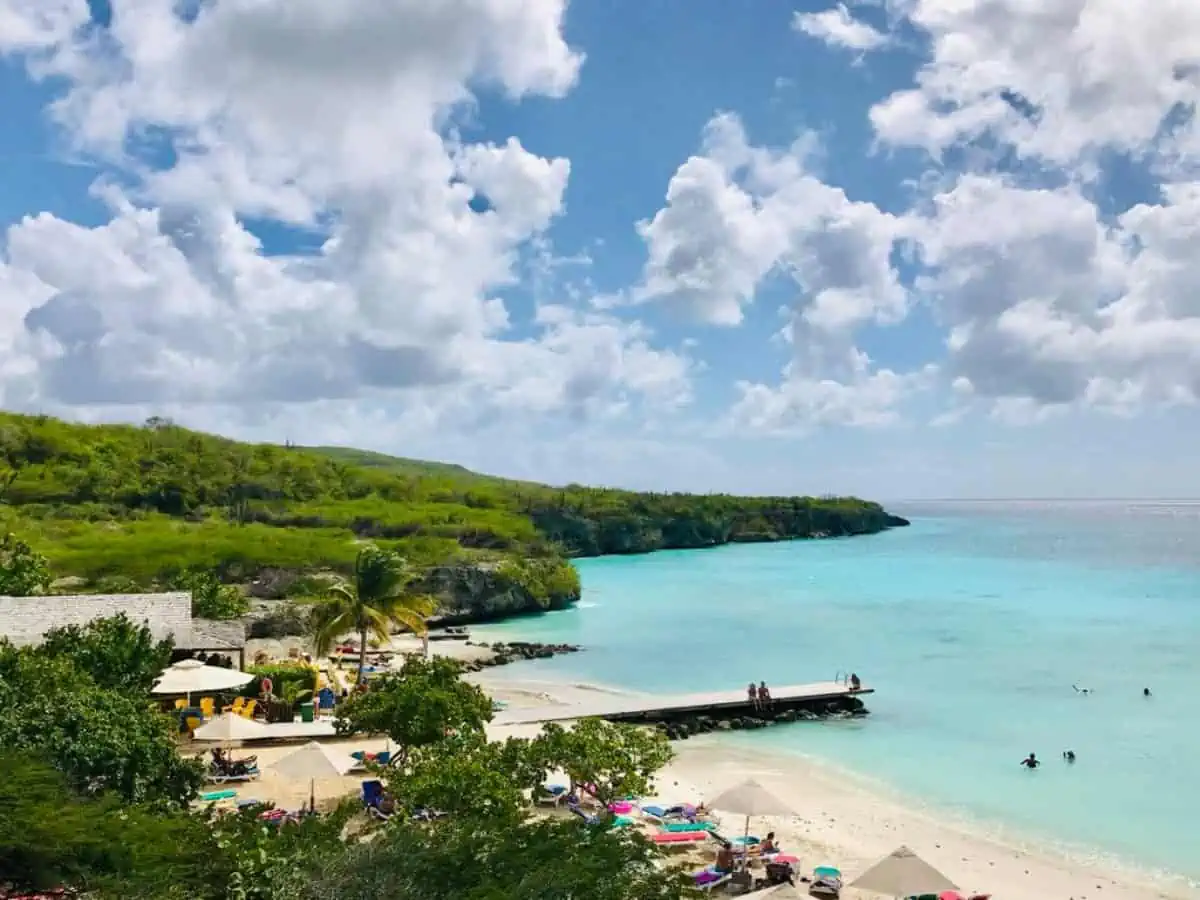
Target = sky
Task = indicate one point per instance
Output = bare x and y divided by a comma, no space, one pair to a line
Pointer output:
896,248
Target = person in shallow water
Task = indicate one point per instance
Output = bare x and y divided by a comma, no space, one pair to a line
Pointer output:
1031,761
1145,692
1069,755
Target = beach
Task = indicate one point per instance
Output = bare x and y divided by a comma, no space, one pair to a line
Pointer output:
838,820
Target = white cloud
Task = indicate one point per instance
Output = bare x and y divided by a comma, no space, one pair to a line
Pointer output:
838,28
737,214
337,117
1045,302
1059,80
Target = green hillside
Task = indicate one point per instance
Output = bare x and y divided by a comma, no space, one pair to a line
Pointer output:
113,506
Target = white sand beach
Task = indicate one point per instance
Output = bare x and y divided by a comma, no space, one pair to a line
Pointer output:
839,822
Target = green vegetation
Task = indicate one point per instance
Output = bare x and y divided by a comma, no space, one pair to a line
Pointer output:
376,600
120,507
98,805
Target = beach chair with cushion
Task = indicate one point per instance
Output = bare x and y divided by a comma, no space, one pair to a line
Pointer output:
688,826
372,798
552,795
234,707
710,879
678,838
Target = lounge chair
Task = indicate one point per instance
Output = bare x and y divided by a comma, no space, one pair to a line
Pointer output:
709,879
192,723
826,883
372,797
207,706
234,770
688,826
675,838
235,707
553,795
248,709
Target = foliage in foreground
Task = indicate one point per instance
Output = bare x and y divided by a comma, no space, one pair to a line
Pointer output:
96,801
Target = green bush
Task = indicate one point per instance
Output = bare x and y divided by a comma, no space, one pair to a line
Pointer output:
288,679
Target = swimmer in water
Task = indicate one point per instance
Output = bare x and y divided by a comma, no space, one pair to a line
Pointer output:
1145,692
1031,761
1080,690
1069,755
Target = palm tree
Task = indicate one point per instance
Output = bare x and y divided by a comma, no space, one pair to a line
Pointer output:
377,598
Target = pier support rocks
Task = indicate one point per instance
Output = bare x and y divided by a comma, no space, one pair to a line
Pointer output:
682,727
515,651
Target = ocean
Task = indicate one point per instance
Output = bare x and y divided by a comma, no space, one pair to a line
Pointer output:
973,624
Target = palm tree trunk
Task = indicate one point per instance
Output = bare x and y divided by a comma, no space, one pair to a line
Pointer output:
362,652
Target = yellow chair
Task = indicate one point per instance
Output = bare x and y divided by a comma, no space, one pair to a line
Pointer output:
248,709
235,707
207,706
192,722
181,703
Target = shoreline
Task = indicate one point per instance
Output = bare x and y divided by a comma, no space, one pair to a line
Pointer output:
847,819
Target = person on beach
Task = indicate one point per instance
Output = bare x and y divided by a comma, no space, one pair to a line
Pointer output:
726,860
769,845
1031,761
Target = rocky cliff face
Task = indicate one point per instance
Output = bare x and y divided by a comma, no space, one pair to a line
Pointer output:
486,592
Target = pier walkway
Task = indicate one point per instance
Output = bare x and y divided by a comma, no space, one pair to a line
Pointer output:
617,707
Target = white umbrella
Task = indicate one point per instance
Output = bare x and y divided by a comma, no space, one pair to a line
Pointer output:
313,761
750,799
231,727
190,676
903,874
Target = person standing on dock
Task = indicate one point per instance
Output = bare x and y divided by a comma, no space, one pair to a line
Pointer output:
752,695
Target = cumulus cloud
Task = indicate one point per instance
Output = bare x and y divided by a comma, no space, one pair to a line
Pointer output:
837,27
336,118
1058,80
737,214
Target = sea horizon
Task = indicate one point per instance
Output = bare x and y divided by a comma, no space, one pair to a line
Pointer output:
972,625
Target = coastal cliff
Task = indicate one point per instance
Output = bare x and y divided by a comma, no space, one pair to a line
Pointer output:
122,509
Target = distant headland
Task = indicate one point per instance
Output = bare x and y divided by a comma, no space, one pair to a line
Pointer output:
124,508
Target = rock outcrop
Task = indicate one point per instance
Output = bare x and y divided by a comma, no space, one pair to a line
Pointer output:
467,594
682,727
504,653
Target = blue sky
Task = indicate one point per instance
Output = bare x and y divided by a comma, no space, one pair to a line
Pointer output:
901,248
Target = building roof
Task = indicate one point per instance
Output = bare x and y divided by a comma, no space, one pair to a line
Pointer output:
24,620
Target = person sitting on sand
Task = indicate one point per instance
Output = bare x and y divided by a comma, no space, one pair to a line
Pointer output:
769,845
726,860
764,696
1031,761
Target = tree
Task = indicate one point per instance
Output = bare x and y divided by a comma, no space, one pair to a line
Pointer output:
418,707
614,760
101,740
210,598
51,838
117,653
377,599
23,571
465,858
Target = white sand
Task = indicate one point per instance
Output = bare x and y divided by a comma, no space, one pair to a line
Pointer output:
838,821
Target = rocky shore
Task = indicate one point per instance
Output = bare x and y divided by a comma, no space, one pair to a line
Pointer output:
504,653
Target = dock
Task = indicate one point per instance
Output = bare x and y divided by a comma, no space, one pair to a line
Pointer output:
620,708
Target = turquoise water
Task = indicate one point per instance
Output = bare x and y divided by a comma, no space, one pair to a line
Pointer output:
973,624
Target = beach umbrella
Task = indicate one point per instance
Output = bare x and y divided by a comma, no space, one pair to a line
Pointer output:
750,799
191,676
230,727
313,761
903,874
